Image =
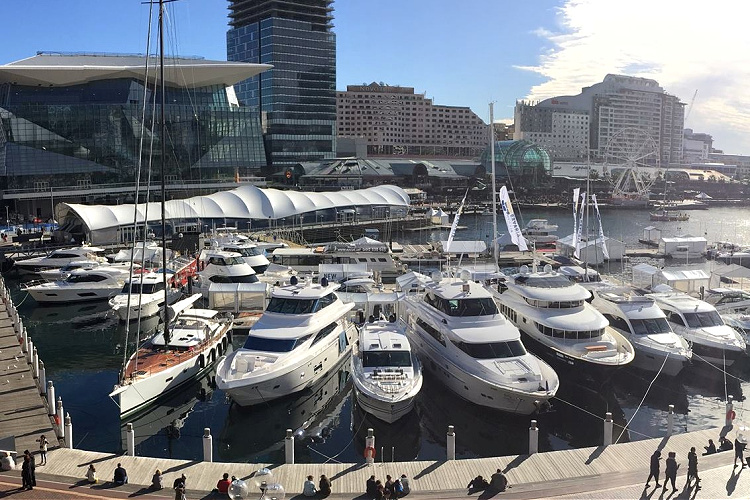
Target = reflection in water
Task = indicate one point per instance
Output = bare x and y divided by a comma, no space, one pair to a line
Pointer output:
256,434
86,316
399,441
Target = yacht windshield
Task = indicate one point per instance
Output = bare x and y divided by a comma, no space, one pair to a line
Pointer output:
377,359
463,307
145,289
493,350
273,345
286,305
553,281
649,326
703,319
250,278
246,251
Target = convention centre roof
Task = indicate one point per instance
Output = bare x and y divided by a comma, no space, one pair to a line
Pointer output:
75,69
246,202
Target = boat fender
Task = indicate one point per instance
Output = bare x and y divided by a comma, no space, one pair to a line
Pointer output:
369,452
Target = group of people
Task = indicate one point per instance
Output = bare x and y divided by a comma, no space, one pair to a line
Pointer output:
724,445
377,490
498,482
670,469
323,488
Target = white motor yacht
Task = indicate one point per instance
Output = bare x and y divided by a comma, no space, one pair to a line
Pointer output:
218,266
194,340
81,285
369,298
59,258
146,299
540,232
558,323
250,252
387,375
149,254
639,319
701,325
304,332
459,334
56,274
728,300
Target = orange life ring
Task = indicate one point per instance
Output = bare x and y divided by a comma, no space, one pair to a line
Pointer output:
369,452
731,415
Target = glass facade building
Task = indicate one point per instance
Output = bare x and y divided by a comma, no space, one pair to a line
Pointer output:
88,131
297,98
519,159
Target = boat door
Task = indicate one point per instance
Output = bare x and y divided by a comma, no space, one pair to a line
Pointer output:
343,341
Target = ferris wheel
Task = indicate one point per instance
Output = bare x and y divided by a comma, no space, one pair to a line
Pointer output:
632,160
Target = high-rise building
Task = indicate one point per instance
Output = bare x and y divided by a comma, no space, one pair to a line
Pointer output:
297,98
393,120
696,146
617,103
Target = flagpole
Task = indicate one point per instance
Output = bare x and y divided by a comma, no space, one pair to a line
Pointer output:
494,188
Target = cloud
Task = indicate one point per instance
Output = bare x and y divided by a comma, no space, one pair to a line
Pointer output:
683,45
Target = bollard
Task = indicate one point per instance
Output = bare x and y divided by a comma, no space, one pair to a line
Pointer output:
59,417
450,447
208,445
68,432
29,347
130,435
670,420
533,438
289,447
42,378
35,363
370,447
50,398
730,411
607,429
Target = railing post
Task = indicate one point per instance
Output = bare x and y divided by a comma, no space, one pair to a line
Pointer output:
50,398
35,363
533,438
42,378
729,416
450,447
289,447
208,445
607,429
370,447
68,432
670,420
130,439
59,416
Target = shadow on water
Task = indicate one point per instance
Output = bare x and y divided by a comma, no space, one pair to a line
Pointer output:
256,433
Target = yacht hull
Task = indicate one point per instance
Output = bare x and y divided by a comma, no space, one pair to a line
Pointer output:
146,308
716,356
384,410
70,295
140,393
651,361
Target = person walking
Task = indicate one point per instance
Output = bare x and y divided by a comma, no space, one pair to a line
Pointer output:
26,481
654,468
43,449
693,468
670,470
739,452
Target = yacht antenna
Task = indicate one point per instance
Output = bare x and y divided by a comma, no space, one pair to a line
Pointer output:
586,201
163,176
494,189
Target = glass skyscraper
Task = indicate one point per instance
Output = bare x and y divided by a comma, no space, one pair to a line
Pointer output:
297,98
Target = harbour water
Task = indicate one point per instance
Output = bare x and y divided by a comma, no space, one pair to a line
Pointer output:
82,347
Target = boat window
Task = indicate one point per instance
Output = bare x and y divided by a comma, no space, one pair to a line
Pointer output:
618,322
676,319
553,281
56,255
649,326
468,307
323,333
546,304
354,289
250,278
217,261
377,359
431,330
290,306
325,301
382,259
492,350
703,319
146,288
273,345
569,334
85,278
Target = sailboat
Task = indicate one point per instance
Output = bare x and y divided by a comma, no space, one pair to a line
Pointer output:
192,339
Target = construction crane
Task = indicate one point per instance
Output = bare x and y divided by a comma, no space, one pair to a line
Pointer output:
690,107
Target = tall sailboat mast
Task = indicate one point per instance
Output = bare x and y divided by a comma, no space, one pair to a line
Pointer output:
494,187
163,175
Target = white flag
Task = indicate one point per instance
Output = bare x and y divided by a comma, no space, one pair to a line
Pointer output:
514,230
576,195
454,226
579,232
601,230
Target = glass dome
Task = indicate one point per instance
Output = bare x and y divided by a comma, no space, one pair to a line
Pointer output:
520,158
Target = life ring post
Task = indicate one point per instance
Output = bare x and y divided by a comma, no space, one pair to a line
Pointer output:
730,415
370,447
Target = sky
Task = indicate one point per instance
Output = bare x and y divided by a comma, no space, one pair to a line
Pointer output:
485,51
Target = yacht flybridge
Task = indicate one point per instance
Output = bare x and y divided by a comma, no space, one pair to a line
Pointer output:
303,333
558,323
218,266
459,334
59,258
658,348
142,296
387,375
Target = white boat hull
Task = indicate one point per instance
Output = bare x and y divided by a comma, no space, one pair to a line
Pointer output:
140,393
386,411
147,307
58,295
651,361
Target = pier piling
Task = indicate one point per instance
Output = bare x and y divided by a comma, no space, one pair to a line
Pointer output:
533,438
670,420
130,440
68,432
450,446
42,378
730,411
370,447
35,363
289,447
208,445
59,416
607,429
50,398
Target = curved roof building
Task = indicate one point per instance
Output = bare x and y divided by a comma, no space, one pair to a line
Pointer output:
261,207
518,158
